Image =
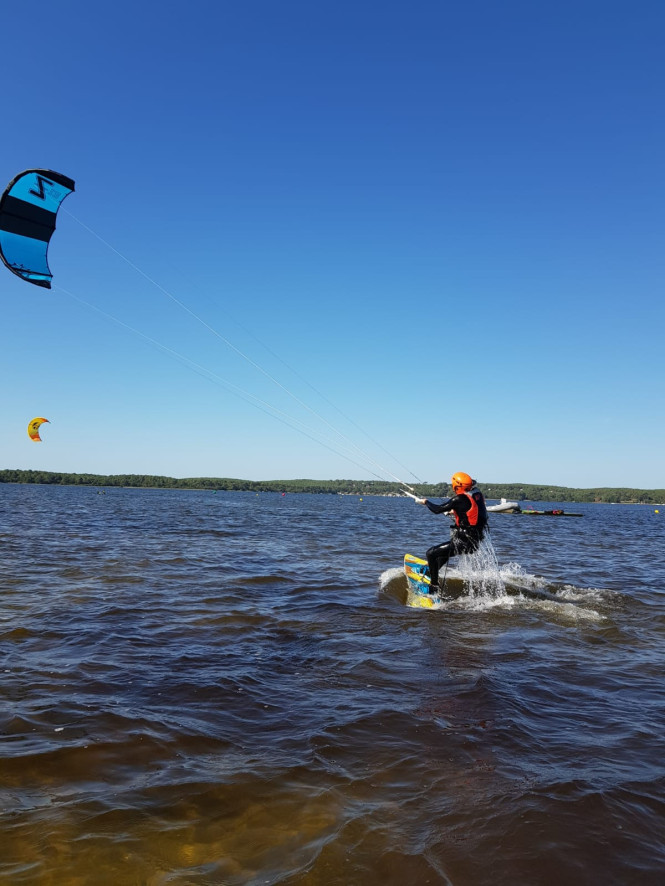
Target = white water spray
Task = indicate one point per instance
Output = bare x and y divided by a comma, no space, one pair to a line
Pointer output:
481,573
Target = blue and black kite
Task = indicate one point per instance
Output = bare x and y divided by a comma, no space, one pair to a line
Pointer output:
28,209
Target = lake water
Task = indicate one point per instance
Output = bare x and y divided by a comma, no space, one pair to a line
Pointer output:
228,688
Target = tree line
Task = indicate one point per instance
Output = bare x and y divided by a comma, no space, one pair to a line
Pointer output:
511,491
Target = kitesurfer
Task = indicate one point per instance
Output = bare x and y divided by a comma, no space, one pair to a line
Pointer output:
468,507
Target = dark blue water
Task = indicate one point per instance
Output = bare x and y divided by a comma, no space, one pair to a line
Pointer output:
228,688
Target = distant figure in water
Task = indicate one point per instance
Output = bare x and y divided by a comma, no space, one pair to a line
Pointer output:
468,506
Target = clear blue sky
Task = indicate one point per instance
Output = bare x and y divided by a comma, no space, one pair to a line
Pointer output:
446,220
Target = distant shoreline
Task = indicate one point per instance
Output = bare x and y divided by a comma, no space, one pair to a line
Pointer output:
493,491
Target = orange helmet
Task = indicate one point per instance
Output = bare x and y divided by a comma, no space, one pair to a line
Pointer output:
461,482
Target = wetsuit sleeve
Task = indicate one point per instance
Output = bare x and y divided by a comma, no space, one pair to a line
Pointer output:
444,508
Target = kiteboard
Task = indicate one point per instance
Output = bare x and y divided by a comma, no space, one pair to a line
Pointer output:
417,578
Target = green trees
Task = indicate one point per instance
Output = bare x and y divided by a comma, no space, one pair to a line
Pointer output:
511,491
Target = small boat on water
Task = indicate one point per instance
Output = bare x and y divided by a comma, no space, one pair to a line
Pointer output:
504,507
513,507
555,512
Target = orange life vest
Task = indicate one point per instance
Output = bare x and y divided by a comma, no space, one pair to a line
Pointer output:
472,514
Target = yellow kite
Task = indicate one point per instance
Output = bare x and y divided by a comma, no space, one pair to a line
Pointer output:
33,429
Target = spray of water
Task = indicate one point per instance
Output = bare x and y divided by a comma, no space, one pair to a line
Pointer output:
481,573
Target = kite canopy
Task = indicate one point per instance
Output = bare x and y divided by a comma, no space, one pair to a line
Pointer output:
28,209
33,429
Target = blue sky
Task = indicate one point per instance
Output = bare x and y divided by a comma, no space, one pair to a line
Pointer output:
431,232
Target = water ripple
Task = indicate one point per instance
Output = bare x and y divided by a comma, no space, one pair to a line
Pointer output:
230,689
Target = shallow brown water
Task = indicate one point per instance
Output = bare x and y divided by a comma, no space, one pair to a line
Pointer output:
227,688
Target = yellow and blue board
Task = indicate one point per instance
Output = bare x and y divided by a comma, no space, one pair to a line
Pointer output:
420,590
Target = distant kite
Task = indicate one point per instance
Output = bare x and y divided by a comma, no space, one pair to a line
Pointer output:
28,209
33,429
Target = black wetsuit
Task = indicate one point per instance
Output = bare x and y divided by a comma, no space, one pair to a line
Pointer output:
464,538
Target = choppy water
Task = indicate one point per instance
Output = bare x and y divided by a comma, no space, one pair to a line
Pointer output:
227,688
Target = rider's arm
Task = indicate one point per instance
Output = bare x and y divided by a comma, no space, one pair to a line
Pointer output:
443,508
